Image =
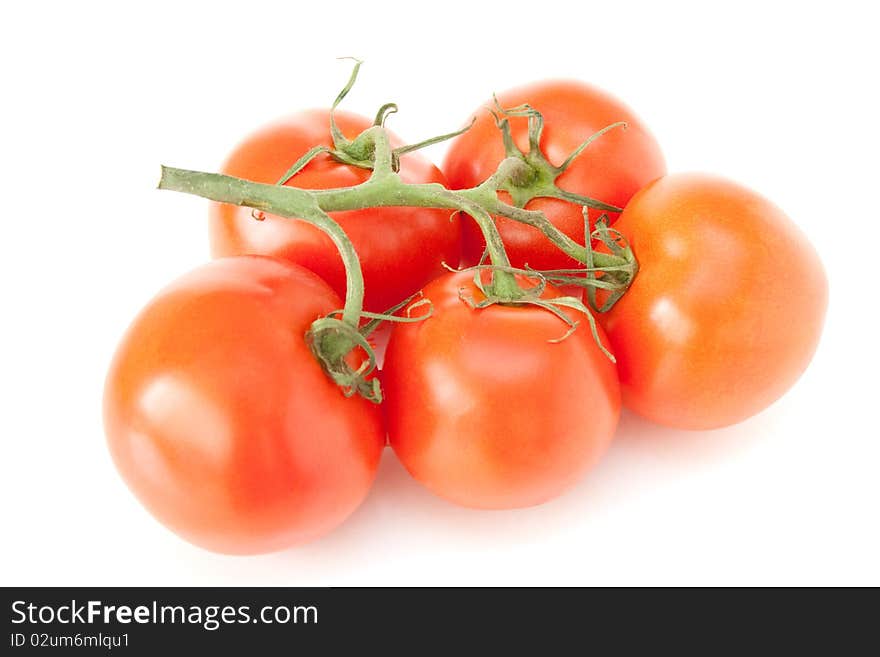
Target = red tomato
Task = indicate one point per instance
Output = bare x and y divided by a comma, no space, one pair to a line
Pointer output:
726,310
400,249
611,169
487,413
220,419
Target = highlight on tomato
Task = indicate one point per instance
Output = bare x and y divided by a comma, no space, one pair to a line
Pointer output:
487,407
614,166
727,307
400,248
222,422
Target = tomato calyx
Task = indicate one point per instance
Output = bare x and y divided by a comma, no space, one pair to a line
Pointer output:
610,281
530,174
530,295
335,343
361,151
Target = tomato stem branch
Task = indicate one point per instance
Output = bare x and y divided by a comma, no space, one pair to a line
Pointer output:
382,189
523,175
271,198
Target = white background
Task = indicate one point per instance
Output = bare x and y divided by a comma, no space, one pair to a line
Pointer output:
782,97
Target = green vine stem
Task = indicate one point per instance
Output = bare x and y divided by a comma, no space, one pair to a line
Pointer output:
386,188
383,189
538,176
333,338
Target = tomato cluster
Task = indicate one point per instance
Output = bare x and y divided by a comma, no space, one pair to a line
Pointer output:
225,424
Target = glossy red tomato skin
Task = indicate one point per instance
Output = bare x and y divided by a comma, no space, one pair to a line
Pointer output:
726,310
221,421
400,249
611,169
487,413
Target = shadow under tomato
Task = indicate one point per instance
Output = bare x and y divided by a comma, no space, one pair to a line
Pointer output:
635,433
399,516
